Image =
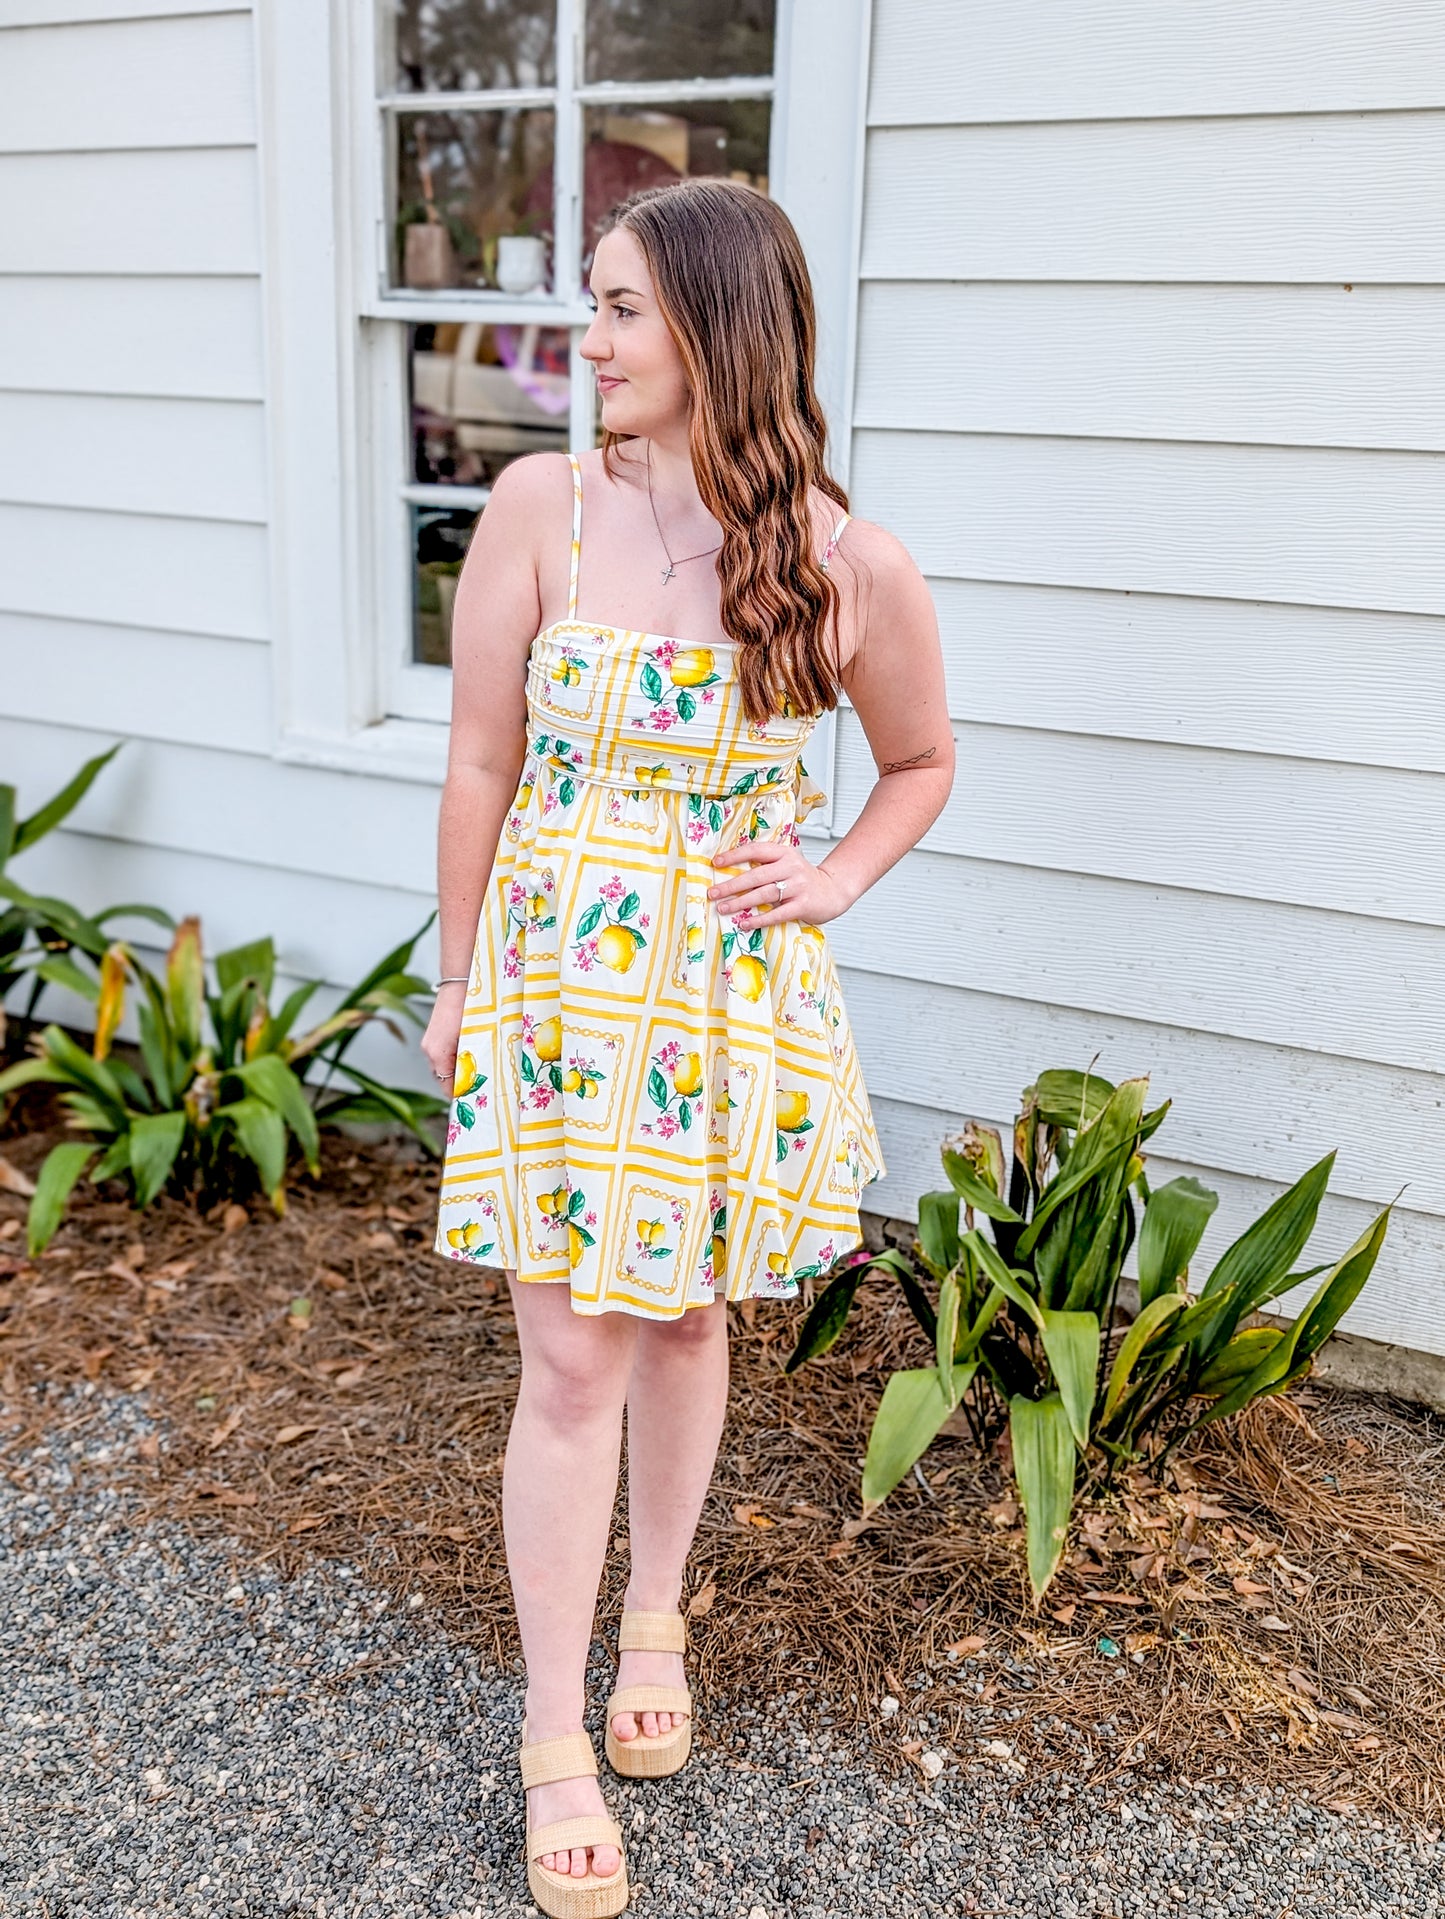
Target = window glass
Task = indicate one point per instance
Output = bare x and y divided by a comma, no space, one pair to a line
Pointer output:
482,396
467,46
439,538
631,147
678,39
474,200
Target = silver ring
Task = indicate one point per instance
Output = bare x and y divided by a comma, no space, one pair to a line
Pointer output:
779,885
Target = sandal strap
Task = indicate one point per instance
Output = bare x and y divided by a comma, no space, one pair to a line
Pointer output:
569,1756
650,1699
652,1632
562,1835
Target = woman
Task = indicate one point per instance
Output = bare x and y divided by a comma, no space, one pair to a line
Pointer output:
657,1101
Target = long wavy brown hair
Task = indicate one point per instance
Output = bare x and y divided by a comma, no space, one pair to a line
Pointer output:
733,287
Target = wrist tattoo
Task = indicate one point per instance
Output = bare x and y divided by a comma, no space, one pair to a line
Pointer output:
894,766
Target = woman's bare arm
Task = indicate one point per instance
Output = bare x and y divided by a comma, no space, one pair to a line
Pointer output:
895,681
495,619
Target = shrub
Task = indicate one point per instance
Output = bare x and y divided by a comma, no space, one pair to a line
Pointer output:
222,1089
1020,1319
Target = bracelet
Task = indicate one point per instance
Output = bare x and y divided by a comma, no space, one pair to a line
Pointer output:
451,979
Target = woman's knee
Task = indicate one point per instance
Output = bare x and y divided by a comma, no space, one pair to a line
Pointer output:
573,1367
699,1330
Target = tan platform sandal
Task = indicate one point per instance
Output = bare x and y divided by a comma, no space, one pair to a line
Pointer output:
665,1752
559,1894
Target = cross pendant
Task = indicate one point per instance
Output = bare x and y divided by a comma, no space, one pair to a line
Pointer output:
668,573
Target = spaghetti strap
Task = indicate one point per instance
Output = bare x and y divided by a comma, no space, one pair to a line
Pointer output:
576,535
832,545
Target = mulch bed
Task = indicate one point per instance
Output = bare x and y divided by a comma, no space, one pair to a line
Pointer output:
1276,1606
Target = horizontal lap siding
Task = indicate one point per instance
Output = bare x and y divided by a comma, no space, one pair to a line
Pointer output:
1149,383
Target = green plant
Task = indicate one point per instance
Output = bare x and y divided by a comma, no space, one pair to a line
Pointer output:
33,921
1021,1318
222,1086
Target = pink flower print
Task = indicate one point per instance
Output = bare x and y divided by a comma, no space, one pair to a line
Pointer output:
667,1126
542,1094
453,1131
516,893
612,890
644,919
669,1055
586,956
666,652
798,1145
589,1219
697,830
707,701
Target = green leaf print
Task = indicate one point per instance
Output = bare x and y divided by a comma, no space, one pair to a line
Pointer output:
576,1200
566,791
657,1088
694,804
651,682
782,1148
686,704
684,1115
589,920
628,907
715,817
720,1220
529,1071
554,1077
744,785
465,1116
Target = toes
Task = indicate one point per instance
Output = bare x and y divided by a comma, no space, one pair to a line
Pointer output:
579,1862
625,1726
605,1861
649,1724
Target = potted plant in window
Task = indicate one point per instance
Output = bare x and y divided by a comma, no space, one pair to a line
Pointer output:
429,258
521,256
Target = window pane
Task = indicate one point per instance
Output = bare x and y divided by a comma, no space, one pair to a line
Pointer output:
439,545
678,39
474,200
484,395
450,46
632,147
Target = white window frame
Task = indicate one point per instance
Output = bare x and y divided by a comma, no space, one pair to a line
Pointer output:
336,380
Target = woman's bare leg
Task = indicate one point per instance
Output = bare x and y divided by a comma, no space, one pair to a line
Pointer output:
676,1402
559,1482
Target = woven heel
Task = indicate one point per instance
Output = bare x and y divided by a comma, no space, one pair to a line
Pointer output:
558,1894
655,1758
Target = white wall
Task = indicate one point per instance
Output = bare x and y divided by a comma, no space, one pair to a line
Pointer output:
1150,382
1148,379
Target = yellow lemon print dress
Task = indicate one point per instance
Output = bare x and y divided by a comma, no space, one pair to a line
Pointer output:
651,1104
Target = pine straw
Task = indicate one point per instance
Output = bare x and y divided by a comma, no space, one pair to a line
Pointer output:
1287,1581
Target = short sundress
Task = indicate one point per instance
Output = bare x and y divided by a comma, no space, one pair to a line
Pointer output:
652,1105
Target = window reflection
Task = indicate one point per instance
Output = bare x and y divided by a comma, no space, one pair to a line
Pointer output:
440,536
454,46
482,396
678,39
474,202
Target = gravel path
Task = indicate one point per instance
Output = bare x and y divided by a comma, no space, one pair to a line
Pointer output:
181,1740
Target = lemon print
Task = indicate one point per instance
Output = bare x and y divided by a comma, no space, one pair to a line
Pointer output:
521,941
468,1079
567,672
473,1233
805,980
576,1245
719,1255
617,947
552,1203
589,1089
694,942
749,976
691,666
571,1080
524,793
792,1111
548,1038
722,1102
777,1263
687,1074
651,775
649,1231
454,1237
537,906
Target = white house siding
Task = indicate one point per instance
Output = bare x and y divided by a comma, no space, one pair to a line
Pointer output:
1176,490
135,538
1149,380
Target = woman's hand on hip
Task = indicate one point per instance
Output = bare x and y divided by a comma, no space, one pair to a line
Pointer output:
750,899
